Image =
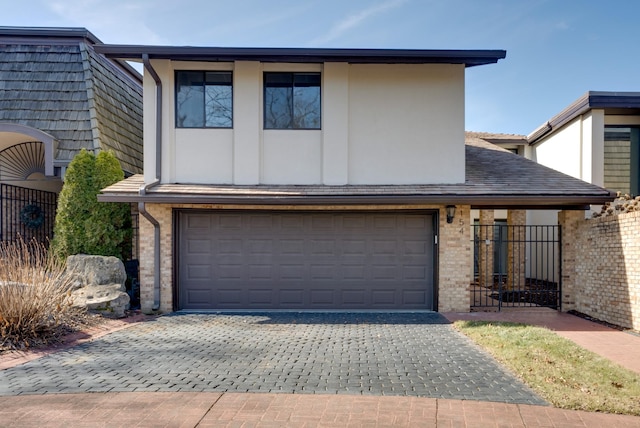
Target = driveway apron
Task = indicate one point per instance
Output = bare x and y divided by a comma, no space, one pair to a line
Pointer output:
402,354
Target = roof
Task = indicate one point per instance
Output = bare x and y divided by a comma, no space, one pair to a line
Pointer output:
469,58
611,101
51,79
495,178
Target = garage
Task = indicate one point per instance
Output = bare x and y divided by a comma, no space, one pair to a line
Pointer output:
277,260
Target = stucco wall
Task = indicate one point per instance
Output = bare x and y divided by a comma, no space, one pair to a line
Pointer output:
454,249
601,274
381,124
577,149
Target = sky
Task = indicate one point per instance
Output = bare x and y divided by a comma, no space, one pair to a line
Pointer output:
557,50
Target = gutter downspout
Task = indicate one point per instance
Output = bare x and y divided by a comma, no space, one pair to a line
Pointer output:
145,187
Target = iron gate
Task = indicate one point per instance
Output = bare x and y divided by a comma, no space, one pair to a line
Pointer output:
516,266
26,213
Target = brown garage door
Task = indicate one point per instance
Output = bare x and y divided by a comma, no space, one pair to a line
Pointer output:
310,260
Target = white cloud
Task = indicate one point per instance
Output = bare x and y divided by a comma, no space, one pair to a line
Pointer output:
354,21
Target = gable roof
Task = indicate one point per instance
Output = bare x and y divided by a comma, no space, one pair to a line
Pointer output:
51,79
469,58
612,102
495,178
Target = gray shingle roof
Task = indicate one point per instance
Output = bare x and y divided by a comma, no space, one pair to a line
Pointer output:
63,87
494,178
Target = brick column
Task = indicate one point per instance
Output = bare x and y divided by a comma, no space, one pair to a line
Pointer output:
569,221
485,249
163,214
516,249
454,274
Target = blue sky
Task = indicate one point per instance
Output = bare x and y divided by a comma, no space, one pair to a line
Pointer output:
556,49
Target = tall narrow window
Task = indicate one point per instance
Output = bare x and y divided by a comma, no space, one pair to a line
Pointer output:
292,100
204,99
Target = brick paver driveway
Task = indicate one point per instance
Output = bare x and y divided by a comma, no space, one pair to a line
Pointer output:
415,354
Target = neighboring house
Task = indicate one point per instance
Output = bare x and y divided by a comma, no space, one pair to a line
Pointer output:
596,139
318,179
58,96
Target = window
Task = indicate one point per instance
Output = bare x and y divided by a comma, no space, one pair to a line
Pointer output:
292,100
204,99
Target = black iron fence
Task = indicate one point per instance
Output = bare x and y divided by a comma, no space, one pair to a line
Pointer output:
516,266
26,213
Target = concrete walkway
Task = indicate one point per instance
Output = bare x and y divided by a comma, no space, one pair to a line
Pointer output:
205,409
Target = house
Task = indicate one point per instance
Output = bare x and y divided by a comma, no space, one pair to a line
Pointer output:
58,96
596,139
318,179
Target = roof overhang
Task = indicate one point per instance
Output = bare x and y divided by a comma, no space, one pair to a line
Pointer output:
589,101
317,195
469,58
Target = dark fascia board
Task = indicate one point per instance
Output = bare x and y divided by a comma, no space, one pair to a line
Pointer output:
529,202
305,55
590,100
27,33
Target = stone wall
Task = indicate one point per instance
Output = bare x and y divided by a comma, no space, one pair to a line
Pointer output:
601,267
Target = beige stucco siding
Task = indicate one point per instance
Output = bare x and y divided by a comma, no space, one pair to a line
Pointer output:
381,124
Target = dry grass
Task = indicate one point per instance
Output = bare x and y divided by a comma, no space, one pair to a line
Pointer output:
35,296
563,373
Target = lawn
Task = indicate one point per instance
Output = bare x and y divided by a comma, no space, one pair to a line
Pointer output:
561,372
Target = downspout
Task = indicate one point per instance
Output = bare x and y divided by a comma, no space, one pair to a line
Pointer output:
145,187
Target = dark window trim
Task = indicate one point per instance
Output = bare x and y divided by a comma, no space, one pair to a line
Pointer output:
175,79
264,97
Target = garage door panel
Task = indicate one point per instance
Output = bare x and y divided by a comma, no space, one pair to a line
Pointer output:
325,260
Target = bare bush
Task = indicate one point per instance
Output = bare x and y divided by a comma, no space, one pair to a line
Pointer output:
35,295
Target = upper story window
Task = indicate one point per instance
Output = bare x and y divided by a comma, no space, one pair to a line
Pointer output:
204,99
292,100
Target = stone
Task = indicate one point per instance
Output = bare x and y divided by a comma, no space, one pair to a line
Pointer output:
106,299
96,270
99,284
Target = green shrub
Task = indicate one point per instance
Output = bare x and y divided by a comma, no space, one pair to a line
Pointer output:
35,296
84,225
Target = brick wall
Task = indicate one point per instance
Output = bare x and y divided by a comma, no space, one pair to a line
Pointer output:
601,267
454,254
454,264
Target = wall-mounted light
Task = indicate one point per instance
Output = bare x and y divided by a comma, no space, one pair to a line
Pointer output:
451,213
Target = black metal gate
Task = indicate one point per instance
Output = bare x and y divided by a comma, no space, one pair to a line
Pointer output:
516,266
26,213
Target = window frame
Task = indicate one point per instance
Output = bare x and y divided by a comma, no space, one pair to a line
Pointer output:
204,107
292,106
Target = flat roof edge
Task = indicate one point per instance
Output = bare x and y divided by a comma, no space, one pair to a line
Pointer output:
198,53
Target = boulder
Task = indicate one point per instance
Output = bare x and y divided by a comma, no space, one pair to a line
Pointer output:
107,299
99,284
96,270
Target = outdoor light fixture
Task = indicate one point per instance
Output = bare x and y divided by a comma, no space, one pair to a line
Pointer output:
451,213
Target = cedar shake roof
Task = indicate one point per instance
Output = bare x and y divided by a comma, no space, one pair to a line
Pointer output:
52,79
495,178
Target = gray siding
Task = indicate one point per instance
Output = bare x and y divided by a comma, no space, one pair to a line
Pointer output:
617,166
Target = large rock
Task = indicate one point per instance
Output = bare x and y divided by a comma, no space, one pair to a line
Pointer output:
107,299
96,270
99,284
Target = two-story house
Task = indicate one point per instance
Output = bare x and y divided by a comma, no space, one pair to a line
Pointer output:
317,179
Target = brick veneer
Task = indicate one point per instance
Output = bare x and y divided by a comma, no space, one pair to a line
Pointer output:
601,266
485,250
454,270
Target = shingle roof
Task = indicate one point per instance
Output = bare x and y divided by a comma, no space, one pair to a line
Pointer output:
494,178
55,82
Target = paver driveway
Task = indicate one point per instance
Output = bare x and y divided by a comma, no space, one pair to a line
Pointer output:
417,354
